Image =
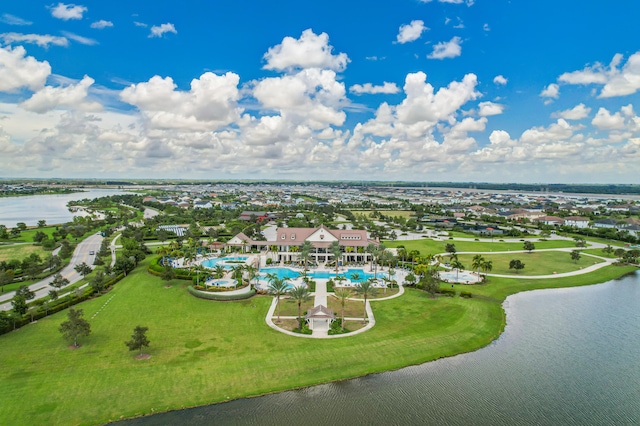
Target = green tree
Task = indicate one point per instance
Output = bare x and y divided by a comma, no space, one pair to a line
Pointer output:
478,260
305,253
277,287
457,265
516,264
431,281
123,265
6,277
83,269
138,339
487,266
58,281
366,290
21,226
42,223
450,248
410,279
343,294
300,295
575,255
97,283
334,248
75,326
53,294
19,305
529,246
4,235
168,273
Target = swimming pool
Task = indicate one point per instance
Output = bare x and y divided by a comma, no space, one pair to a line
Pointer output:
227,262
289,273
459,277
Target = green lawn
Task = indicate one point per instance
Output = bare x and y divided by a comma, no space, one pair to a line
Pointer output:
205,351
536,263
429,246
20,251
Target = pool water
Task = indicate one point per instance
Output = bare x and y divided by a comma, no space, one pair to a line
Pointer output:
212,263
289,273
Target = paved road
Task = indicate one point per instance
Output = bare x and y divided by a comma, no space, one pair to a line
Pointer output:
81,254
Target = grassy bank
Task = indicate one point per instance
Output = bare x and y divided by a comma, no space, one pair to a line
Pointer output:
204,352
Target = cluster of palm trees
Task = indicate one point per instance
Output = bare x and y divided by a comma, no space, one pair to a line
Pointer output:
480,263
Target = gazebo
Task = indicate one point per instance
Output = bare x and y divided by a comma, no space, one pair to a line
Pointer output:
321,314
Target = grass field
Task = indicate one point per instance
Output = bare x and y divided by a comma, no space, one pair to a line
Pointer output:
429,246
20,251
204,352
536,263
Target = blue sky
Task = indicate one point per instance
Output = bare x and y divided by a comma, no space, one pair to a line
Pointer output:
440,90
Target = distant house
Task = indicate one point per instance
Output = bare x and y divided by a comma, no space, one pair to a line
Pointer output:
550,220
255,215
606,223
576,222
202,205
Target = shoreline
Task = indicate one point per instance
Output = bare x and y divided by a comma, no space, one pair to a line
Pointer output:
491,340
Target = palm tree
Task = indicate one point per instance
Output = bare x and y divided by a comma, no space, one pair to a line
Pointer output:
300,294
219,271
366,289
252,271
356,277
343,294
457,265
340,278
487,266
478,260
337,253
237,274
305,252
371,249
278,287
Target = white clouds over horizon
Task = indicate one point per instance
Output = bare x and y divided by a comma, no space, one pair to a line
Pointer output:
10,19
101,24
368,88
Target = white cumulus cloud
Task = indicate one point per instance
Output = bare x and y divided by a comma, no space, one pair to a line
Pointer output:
411,32
604,120
551,91
80,39
101,24
368,88
447,49
309,51
72,96
209,105
18,70
160,30
500,80
486,109
578,112
67,11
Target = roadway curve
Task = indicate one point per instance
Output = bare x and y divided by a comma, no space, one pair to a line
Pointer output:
80,254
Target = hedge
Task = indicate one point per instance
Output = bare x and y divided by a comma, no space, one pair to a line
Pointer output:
220,296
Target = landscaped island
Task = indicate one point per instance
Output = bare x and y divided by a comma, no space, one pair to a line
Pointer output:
204,352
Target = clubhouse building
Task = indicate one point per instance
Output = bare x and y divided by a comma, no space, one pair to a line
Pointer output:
288,244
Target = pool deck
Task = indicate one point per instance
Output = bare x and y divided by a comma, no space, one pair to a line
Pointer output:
321,330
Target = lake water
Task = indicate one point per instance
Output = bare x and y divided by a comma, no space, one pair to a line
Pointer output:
567,357
52,208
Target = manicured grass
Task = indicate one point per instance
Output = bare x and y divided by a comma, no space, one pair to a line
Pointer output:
352,308
289,307
429,246
536,262
27,235
20,251
204,351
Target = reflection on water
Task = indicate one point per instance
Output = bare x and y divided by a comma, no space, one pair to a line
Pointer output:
567,357
52,208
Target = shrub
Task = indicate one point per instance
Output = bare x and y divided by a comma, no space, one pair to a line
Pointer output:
269,261
219,296
466,294
447,292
